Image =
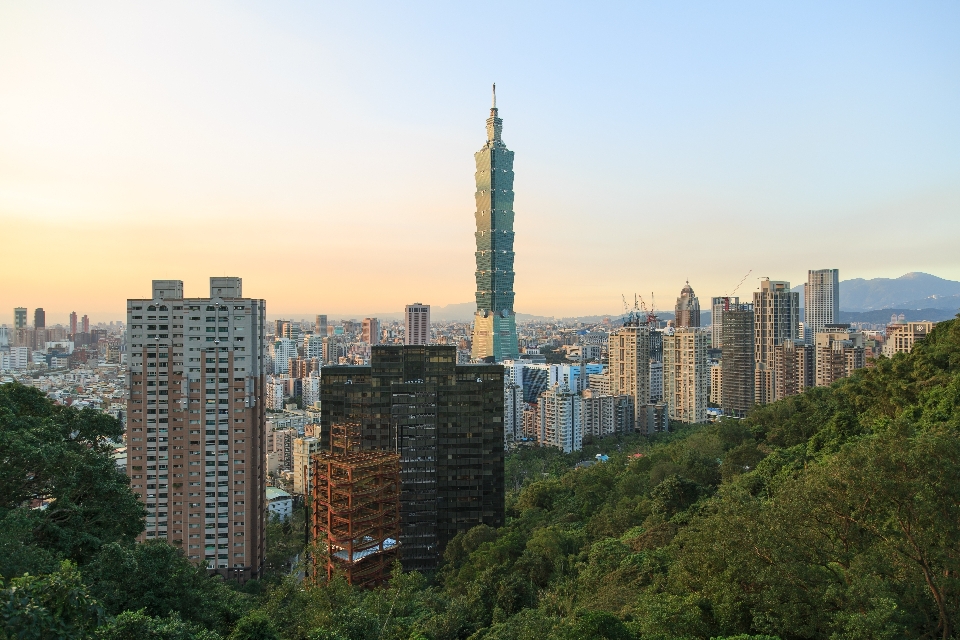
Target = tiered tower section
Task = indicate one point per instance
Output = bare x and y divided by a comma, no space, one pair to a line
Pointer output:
495,325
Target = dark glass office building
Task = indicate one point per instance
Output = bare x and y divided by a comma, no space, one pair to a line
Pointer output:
446,422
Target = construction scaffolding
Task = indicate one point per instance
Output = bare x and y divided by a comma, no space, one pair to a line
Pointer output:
356,497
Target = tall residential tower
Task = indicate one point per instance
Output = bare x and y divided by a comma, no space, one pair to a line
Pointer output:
195,426
495,324
821,301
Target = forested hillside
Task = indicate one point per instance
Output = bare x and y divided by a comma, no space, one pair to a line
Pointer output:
835,514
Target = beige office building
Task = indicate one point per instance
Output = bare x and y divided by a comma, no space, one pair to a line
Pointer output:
901,337
686,375
195,425
417,324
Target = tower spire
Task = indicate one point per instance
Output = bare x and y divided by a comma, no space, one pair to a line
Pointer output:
494,105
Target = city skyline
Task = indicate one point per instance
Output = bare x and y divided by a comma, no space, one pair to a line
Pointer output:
729,120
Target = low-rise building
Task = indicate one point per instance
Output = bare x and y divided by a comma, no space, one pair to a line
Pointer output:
279,504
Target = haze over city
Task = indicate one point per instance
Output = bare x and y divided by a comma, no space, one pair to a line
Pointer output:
326,150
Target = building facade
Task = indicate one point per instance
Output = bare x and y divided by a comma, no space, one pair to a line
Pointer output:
687,308
839,352
560,417
738,361
195,422
776,318
370,331
629,369
495,323
686,377
717,306
605,415
902,337
794,365
821,301
446,422
417,318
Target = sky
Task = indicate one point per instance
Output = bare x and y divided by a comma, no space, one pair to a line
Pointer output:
324,151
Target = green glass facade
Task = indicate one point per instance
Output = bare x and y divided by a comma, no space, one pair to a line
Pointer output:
495,325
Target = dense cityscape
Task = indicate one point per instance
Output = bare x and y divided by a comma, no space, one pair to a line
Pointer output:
775,460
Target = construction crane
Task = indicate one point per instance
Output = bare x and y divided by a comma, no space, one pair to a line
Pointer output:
744,279
652,315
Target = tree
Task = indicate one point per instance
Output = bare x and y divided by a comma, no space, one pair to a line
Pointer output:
60,458
56,606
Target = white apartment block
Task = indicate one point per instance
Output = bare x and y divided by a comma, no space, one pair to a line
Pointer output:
560,416
821,301
281,351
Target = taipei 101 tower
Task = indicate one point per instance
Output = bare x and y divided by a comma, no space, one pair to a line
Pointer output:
495,324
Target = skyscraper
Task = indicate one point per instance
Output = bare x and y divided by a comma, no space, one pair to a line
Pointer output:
20,318
417,324
494,324
739,360
39,319
629,370
718,305
73,323
776,318
688,308
85,324
686,375
446,422
195,423
821,301
320,326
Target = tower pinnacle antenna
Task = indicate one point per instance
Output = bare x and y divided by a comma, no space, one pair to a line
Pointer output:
494,95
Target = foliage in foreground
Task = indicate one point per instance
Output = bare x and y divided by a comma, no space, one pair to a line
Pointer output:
829,515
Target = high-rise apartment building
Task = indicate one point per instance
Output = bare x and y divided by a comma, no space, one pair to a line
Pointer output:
739,360
19,318
303,449
688,308
605,415
195,424
495,323
446,422
320,326
560,419
85,324
73,323
839,352
821,301
776,317
686,376
629,369
512,412
282,350
313,346
417,330
716,383
794,368
718,305
370,333
39,319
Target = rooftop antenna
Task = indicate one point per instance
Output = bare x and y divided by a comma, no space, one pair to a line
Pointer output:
494,95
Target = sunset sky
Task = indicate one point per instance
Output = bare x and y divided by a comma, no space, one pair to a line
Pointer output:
324,152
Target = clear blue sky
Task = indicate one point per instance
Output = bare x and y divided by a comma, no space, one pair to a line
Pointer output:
330,148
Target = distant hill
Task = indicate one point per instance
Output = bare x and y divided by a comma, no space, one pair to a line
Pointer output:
909,291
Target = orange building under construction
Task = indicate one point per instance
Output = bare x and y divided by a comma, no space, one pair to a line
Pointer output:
356,498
